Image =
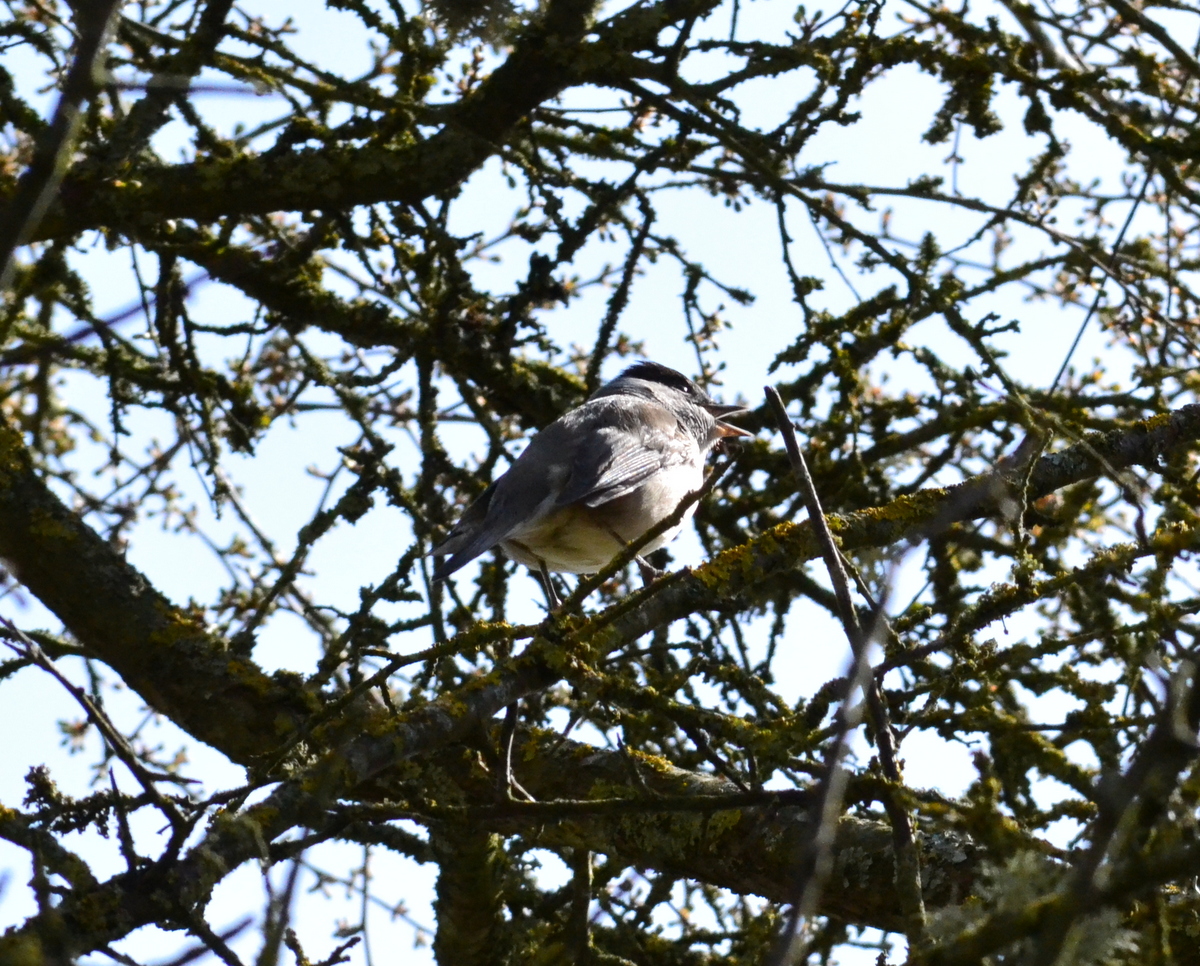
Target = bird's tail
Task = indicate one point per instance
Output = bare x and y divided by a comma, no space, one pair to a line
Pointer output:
471,536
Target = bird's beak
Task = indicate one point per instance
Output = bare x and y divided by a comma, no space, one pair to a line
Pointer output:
728,429
725,429
719,411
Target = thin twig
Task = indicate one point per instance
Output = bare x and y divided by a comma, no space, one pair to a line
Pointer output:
620,297
1133,15
28,648
217,942
908,878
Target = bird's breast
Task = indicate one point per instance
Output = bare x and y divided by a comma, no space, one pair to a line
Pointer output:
580,539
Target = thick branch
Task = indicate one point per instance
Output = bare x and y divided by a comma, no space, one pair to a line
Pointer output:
469,903
546,61
162,652
22,213
751,850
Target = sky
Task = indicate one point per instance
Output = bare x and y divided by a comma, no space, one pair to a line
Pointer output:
884,148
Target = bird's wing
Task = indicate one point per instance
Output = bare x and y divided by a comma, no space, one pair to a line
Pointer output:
596,453
516,501
628,441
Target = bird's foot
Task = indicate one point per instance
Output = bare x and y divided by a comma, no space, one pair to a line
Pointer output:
649,572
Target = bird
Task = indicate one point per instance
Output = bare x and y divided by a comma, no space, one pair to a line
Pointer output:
597,478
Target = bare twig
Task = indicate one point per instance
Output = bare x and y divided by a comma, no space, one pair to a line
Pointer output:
1133,15
29,648
908,877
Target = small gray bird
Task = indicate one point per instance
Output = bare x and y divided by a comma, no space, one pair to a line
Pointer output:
597,478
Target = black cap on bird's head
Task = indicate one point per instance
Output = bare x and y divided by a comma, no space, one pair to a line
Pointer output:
666,376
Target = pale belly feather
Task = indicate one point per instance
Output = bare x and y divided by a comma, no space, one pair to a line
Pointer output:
581,540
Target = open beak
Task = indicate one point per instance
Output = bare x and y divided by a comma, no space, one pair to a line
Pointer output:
722,411
728,429
725,429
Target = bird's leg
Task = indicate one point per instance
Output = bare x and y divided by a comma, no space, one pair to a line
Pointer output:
552,599
649,572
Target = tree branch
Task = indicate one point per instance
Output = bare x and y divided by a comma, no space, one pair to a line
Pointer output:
169,658
24,210
546,61
165,654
